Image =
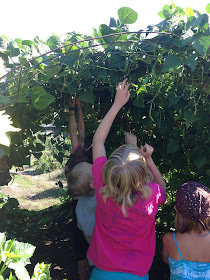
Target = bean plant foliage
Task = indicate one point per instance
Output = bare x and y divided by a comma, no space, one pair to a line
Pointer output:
168,68
14,256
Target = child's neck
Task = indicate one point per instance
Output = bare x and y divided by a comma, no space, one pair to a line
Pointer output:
202,234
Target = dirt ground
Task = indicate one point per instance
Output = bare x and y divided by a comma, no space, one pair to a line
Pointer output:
49,229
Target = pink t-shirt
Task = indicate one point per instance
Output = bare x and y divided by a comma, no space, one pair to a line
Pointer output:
119,243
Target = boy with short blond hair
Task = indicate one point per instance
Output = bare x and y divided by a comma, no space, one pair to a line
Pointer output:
80,180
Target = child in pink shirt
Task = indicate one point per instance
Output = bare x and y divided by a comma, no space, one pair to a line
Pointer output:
129,188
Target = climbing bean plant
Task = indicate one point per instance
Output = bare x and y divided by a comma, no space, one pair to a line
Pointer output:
168,68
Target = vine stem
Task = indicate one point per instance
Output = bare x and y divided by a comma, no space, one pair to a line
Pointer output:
87,40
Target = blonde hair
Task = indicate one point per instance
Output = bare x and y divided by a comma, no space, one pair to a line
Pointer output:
183,224
79,179
124,175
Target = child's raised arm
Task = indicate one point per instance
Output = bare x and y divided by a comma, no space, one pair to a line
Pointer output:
81,123
121,98
147,151
72,123
130,138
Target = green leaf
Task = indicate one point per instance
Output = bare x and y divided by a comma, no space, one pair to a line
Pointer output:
22,95
203,19
22,99
20,250
4,56
173,146
87,96
208,8
4,99
41,98
72,88
191,23
163,127
200,160
172,62
2,239
3,43
191,61
11,277
3,151
127,15
205,42
50,72
198,156
117,61
21,272
28,43
72,56
189,12
173,100
161,14
189,117
41,272
105,30
166,12
180,162
201,45
14,50
139,101
54,42
194,22
99,72
112,22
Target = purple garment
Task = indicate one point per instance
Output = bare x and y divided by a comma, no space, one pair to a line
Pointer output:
78,155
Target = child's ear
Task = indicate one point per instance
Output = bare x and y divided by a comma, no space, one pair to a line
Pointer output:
91,185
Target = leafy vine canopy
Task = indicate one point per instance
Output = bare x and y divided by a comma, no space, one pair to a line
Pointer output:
168,68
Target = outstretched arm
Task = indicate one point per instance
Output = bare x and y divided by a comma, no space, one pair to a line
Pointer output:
72,123
165,246
81,123
121,98
147,151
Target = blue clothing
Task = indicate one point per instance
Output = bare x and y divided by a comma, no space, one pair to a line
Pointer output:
187,270
98,274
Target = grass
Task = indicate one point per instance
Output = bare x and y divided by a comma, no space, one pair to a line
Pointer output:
35,192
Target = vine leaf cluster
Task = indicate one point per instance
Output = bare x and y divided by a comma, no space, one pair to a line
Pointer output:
168,68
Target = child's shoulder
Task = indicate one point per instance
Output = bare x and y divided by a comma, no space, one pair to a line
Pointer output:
168,237
158,193
155,186
100,161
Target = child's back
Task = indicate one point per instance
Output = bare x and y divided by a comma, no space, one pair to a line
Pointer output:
189,256
124,242
188,250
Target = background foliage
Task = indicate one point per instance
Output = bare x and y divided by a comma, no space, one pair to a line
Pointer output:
168,69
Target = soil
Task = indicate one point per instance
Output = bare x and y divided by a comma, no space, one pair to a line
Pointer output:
49,230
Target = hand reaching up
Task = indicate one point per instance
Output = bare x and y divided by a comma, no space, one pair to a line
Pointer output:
130,138
122,95
147,151
72,101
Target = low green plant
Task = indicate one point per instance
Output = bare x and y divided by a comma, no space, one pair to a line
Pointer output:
56,152
15,256
3,199
46,163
